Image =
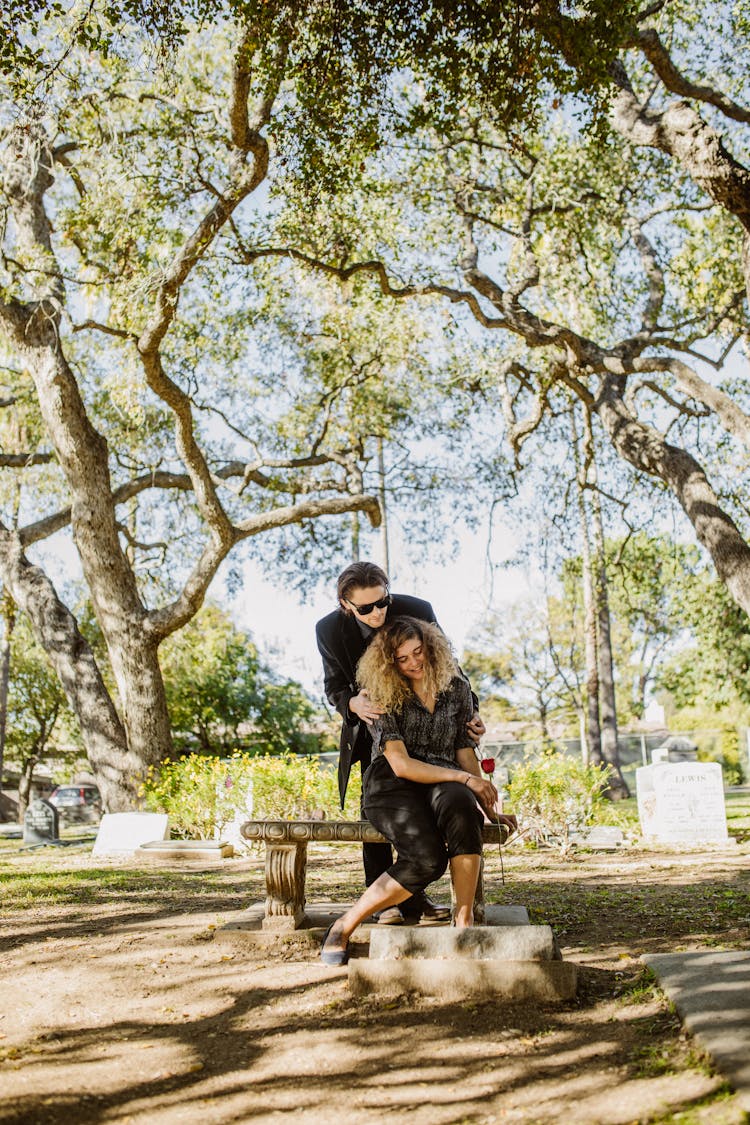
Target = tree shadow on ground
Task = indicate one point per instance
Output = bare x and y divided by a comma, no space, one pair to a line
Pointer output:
298,1046
121,900
245,1061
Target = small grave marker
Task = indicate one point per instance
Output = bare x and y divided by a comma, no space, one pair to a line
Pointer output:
41,823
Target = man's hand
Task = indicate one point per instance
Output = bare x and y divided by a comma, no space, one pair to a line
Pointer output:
362,706
475,727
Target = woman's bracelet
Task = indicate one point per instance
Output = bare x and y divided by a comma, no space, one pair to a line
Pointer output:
468,778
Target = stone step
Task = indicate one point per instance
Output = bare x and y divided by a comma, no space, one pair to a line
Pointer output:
476,943
512,981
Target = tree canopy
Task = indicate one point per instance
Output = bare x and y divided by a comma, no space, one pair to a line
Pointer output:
535,212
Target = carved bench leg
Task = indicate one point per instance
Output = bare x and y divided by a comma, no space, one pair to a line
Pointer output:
286,867
478,908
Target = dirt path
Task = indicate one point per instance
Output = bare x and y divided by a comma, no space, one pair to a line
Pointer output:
118,1006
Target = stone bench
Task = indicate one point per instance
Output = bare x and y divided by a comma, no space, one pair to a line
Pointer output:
286,861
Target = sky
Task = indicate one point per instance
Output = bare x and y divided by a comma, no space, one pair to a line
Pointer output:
461,591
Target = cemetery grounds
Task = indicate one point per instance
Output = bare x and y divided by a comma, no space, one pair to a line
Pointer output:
122,1002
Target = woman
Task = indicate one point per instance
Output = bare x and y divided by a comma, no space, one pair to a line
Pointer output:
423,783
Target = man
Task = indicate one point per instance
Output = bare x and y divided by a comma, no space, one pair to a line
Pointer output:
365,605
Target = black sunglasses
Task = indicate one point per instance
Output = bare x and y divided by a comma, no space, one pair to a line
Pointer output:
363,610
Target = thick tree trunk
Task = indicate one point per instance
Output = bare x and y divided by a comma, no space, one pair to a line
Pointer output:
110,579
592,753
617,788
649,452
117,768
681,132
10,624
593,722
25,782
84,459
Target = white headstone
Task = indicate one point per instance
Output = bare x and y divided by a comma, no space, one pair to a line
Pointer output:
682,803
122,833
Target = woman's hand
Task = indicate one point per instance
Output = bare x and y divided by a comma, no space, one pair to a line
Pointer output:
486,793
362,706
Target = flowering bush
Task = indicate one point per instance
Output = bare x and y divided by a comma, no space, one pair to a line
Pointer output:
203,794
556,795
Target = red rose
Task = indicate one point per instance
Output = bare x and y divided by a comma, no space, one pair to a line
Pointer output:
488,765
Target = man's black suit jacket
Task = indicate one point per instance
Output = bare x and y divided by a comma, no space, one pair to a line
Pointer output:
341,644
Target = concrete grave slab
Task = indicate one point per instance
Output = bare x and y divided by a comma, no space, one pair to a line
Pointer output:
478,943
546,981
601,837
509,962
156,851
711,992
122,833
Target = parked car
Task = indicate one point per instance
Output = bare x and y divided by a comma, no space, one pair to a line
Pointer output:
82,803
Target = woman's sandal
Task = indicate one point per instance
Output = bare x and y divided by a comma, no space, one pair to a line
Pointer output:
332,956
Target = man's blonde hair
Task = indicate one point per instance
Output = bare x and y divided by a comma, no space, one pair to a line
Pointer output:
379,673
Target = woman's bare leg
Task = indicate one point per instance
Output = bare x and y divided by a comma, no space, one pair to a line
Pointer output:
385,891
464,874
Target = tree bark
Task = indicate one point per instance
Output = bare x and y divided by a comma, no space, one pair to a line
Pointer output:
25,782
117,767
649,452
617,787
10,621
681,132
592,752
609,749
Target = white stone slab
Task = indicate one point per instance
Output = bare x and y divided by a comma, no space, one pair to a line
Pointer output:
122,833
682,803
513,981
476,943
163,851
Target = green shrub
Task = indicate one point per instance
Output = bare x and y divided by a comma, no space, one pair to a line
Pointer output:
203,794
717,737
555,795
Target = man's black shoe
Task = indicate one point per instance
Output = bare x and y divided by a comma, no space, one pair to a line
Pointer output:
432,912
422,908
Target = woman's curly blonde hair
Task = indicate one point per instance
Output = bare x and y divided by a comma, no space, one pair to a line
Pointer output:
379,674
